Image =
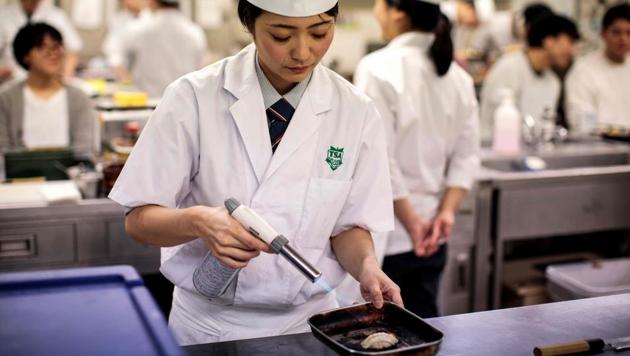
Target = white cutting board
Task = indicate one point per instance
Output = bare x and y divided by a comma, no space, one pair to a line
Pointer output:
37,193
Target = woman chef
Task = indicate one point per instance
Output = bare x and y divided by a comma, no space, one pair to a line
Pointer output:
324,183
430,112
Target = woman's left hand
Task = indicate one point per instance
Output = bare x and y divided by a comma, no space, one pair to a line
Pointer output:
376,287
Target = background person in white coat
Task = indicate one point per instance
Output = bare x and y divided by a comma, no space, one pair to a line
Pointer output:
162,48
528,73
598,85
132,14
324,183
430,112
505,31
15,15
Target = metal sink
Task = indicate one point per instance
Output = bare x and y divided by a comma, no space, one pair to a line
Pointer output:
560,162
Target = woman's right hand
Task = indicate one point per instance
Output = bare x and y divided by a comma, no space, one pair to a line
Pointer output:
417,229
413,223
228,241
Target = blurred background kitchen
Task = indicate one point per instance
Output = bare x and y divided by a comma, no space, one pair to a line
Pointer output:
554,183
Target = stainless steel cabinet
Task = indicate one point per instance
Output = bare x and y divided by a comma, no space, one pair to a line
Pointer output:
85,234
36,245
515,206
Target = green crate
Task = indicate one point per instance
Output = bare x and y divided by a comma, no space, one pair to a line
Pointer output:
50,164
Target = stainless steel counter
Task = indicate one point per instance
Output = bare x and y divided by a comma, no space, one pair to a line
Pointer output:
585,158
511,332
517,331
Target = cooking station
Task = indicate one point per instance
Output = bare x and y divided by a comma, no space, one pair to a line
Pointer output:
513,331
584,188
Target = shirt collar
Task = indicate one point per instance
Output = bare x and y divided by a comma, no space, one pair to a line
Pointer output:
413,39
269,93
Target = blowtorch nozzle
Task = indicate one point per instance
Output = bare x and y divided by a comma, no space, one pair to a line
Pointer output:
298,261
279,244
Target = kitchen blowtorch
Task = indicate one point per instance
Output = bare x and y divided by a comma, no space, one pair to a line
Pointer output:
279,244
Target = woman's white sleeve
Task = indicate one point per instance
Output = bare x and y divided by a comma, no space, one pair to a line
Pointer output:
165,159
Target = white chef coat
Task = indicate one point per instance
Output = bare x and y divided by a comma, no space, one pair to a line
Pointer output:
432,124
598,87
163,48
533,91
46,123
14,18
497,35
208,140
118,26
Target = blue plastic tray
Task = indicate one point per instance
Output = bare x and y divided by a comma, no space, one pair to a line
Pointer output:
84,311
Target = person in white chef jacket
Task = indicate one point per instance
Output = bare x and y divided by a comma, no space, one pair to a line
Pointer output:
324,184
429,109
501,33
505,31
465,21
132,14
598,85
17,14
162,48
528,73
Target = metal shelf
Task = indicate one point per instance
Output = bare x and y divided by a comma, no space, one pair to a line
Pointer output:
127,115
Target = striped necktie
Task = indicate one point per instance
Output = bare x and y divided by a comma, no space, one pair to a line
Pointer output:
278,117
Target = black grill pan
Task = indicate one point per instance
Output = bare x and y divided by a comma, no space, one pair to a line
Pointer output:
343,329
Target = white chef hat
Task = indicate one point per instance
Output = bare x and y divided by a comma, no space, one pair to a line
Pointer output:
295,8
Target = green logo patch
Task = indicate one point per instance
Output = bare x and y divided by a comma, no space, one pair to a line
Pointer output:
334,158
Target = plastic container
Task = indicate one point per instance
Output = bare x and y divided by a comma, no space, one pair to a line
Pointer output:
50,164
83,311
87,180
130,98
588,279
506,137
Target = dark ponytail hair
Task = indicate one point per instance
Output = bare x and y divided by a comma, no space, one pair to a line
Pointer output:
426,17
441,51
